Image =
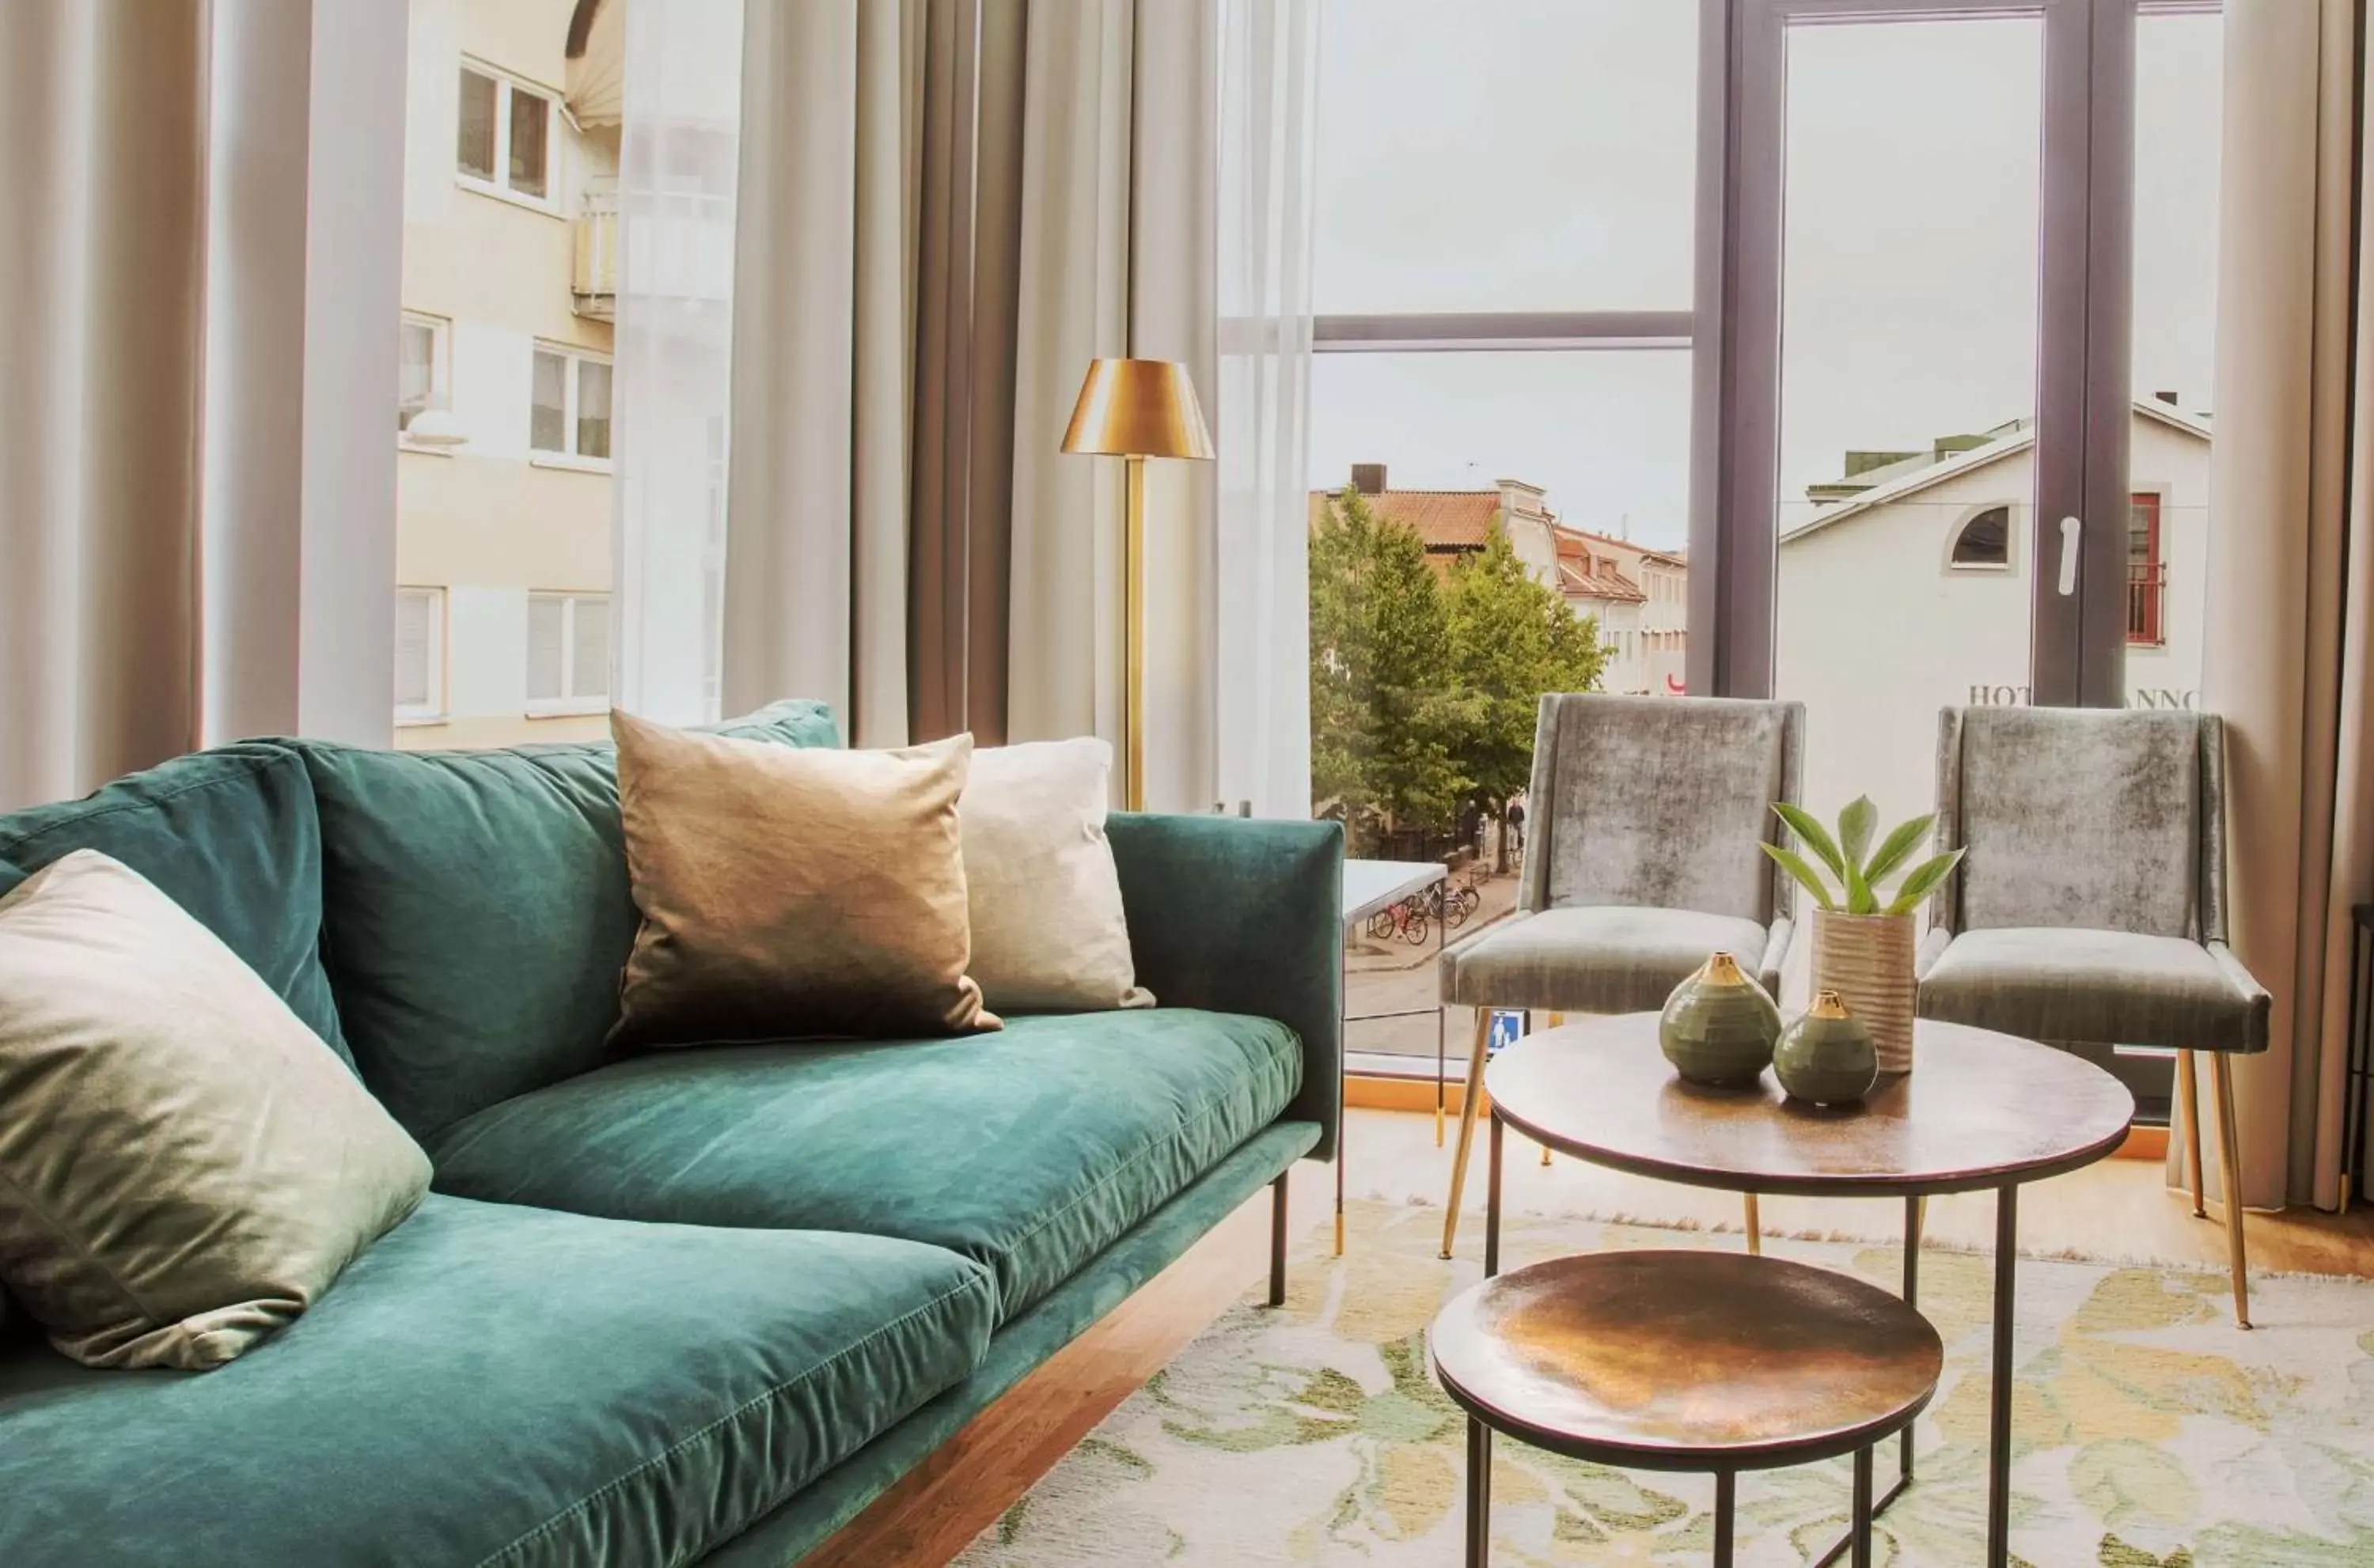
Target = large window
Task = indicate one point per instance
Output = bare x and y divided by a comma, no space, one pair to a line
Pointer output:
1500,424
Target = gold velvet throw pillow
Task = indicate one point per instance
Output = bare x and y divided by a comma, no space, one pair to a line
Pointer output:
184,1167
792,892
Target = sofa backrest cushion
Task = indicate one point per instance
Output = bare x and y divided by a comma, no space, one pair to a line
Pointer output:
478,914
229,834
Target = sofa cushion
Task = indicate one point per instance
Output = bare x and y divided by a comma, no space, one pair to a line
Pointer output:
477,912
231,837
1030,1149
495,1384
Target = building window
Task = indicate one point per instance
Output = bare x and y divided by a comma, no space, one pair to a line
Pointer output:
567,653
419,655
569,413
423,367
2146,573
503,135
1984,540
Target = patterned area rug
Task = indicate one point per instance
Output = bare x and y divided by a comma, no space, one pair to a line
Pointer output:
2151,1432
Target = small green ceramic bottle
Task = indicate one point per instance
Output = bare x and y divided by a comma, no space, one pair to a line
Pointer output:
1718,1027
1826,1057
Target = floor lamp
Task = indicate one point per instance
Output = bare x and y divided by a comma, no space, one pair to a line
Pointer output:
1137,409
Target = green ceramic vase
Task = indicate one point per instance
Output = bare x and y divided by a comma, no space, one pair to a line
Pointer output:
1718,1027
1828,1056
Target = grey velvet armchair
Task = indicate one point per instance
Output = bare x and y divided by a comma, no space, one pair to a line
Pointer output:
1641,860
2090,906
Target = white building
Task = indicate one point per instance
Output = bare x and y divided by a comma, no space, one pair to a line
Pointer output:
1909,591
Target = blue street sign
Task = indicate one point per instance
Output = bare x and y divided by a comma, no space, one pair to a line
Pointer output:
1508,1028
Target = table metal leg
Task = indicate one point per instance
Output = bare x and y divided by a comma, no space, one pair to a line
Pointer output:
1726,1509
1999,1423
1916,1216
1862,1527
1479,1493
1492,1205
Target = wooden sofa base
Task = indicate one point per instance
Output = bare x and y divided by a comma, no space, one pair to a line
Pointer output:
933,1512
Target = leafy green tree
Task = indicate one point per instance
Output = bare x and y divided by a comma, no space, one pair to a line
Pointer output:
1379,660
1512,639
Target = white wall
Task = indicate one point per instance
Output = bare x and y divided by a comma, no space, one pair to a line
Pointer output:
1875,632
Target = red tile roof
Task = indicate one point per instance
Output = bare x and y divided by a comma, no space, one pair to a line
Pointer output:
1591,573
1445,520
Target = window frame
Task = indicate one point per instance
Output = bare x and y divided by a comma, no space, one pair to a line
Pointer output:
2152,632
571,357
437,711
1970,515
499,187
440,376
572,704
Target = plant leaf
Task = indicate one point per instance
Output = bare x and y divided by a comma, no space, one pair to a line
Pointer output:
1861,900
1897,846
1813,836
1807,877
1855,825
1922,881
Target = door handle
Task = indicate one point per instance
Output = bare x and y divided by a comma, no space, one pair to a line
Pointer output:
2072,530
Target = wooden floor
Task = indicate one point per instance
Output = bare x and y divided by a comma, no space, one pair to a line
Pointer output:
2119,1208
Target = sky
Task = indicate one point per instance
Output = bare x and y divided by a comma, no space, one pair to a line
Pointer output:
1541,155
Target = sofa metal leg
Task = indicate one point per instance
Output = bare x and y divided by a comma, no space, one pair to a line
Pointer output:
1277,1240
2229,1175
1466,1126
2188,1116
1755,1226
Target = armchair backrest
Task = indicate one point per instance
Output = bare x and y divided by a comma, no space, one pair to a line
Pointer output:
1659,802
2101,818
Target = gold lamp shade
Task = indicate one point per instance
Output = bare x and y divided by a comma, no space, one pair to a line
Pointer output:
1138,408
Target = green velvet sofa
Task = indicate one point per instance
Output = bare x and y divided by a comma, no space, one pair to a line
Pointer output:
692,1305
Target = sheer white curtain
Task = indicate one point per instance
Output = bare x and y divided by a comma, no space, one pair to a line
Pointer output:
678,160
1268,144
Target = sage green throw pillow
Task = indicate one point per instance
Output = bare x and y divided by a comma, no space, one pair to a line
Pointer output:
184,1167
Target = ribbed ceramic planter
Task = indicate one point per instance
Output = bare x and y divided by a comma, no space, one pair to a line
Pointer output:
1867,959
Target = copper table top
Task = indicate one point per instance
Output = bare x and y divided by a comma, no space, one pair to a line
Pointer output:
1687,1360
1978,1110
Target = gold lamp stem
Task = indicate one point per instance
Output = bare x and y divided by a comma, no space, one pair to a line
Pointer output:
1133,699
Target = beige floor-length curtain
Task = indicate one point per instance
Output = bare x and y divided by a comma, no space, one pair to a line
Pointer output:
103,116
197,379
2286,652
946,208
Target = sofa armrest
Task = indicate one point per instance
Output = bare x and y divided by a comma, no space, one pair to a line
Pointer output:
1239,915
1778,938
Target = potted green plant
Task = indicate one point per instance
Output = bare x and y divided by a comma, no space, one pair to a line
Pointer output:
1862,937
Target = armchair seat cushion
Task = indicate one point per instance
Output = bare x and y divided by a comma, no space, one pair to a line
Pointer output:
1600,958
2101,987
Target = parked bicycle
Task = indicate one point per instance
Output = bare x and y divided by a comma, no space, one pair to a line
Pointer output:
1406,919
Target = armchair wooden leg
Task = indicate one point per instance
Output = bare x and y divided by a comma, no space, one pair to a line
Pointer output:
2229,1175
1467,1110
1754,1227
2188,1116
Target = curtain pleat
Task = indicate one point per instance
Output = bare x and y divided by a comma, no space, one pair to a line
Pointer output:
2285,648
103,116
905,538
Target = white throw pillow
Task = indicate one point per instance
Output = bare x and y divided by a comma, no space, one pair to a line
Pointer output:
1048,930
184,1167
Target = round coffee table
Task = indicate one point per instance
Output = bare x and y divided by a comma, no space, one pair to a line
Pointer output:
1683,1361
1980,1110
